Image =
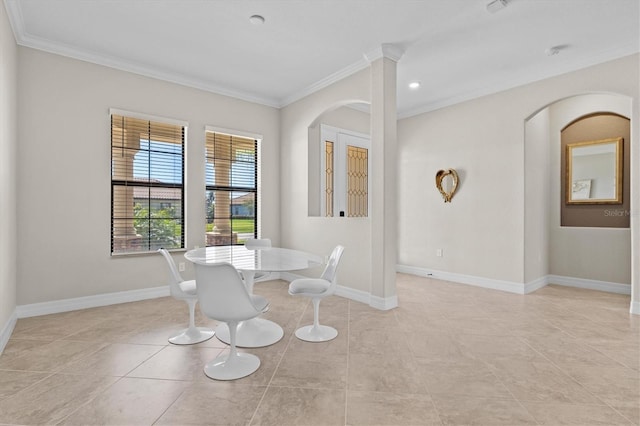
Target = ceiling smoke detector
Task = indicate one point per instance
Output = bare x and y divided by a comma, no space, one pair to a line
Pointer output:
554,50
496,5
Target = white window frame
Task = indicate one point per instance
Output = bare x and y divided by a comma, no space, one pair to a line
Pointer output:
166,120
258,138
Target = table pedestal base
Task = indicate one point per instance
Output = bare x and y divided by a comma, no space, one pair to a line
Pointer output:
254,333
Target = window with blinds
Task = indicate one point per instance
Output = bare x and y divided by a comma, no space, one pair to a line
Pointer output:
231,189
147,185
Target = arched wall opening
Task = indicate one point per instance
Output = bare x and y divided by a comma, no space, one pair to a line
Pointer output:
591,257
348,115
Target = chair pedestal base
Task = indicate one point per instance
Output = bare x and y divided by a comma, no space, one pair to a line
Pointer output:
191,336
230,367
320,333
253,333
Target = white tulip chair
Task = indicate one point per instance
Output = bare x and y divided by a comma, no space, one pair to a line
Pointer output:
317,289
185,290
224,297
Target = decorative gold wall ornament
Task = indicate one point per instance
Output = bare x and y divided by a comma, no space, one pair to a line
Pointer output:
450,185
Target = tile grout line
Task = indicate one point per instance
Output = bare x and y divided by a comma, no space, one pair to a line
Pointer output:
572,378
544,408
413,356
89,401
524,340
172,403
278,365
346,377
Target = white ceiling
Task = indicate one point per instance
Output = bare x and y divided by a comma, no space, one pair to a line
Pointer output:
456,48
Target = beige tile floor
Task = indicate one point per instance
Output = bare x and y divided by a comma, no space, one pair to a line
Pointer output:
449,354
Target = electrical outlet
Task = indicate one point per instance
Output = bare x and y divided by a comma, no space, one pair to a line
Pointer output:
181,266
439,252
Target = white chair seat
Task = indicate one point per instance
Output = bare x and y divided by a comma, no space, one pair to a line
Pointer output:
309,286
259,302
258,244
189,287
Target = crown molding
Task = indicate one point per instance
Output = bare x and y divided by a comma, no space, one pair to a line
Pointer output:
522,79
22,37
14,13
325,82
385,50
107,61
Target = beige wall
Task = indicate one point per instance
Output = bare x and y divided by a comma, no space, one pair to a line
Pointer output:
8,172
64,155
602,254
537,184
321,234
64,173
482,231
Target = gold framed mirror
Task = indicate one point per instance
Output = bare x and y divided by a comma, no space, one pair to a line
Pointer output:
594,172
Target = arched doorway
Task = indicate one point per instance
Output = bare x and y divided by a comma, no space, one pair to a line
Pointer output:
578,249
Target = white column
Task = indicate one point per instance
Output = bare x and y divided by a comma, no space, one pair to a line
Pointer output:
384,235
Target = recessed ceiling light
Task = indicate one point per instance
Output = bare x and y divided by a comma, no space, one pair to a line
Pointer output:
414,85
256,19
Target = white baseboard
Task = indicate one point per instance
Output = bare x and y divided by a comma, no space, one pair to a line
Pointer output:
6,331
536,284
66,305
519,288
605,286
509,286
383,304
353,294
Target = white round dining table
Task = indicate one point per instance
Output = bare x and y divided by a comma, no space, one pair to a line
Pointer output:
257,332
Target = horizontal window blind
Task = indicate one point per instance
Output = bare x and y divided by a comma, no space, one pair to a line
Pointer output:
147,185
231,190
